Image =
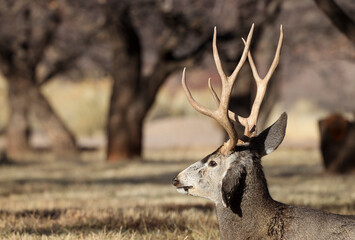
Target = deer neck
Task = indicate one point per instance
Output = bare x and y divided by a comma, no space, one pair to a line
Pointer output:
249,212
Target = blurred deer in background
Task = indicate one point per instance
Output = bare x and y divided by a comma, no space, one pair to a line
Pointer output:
337,143
233,178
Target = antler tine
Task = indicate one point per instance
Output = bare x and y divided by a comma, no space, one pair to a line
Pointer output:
232,116
227,85
261,84
191,100
217,115
224,116
221,115
228,82
244,54
216,58
213,92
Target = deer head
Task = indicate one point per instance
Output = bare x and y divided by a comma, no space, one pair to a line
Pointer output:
220,175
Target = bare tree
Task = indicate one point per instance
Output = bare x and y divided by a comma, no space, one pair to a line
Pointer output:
133,91
177,35
30,56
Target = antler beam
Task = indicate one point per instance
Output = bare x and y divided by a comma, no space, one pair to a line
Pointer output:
221,114
249,123
261,84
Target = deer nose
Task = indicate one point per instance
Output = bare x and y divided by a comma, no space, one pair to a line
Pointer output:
176,181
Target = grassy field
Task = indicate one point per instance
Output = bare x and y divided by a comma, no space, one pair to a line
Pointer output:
46,199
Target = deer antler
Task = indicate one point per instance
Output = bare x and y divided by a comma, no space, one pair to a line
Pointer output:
221,114
249,123
261,84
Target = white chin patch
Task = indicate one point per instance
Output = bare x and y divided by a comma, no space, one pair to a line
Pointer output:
182,190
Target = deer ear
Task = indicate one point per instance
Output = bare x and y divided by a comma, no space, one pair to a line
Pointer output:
268,140
233,185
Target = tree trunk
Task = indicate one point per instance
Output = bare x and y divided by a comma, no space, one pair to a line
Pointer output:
17,132
62,140
127,110
127,106
24,96
125,127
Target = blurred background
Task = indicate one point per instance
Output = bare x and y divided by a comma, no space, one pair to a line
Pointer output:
95,123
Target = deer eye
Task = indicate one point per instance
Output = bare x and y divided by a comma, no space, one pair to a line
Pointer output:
212,164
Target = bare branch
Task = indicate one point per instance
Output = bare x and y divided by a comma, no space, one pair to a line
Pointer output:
53,23
60,66
67,62
337,16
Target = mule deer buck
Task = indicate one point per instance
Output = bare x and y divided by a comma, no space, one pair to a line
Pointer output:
233,178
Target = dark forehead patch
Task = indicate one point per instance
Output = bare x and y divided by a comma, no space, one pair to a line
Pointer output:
205,159
241,148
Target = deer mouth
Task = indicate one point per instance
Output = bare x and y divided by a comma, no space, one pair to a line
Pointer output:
184,189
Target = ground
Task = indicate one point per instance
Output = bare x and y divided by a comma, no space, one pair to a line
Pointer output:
48,199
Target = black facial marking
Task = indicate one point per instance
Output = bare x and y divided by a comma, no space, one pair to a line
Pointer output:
233,186
237,196
205,159
240,148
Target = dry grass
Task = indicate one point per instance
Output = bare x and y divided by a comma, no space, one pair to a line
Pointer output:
47,199
163,222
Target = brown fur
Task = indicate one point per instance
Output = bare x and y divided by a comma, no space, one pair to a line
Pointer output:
337,143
